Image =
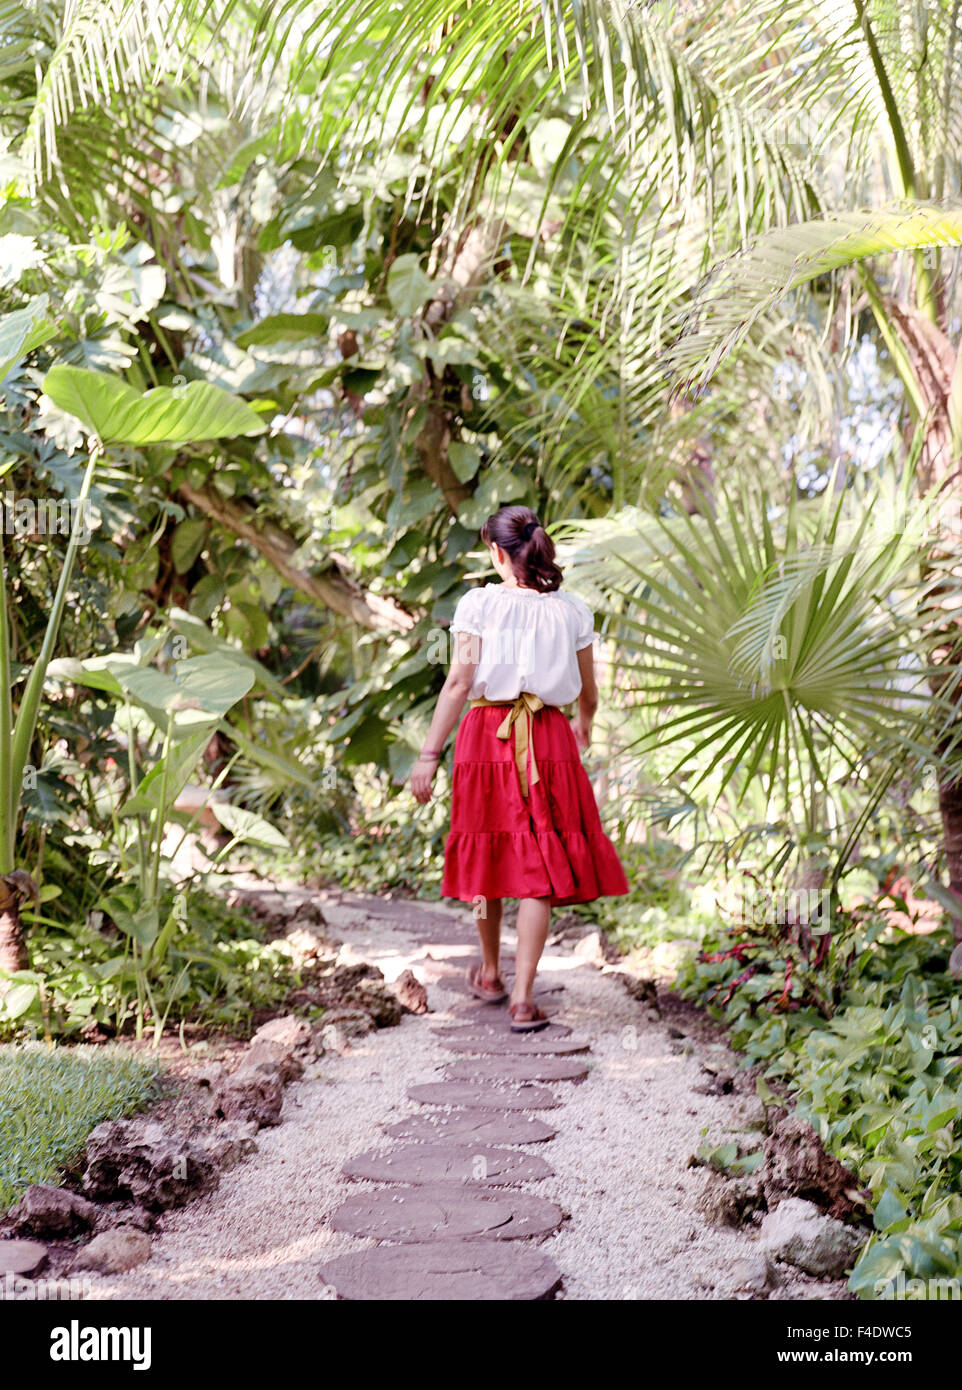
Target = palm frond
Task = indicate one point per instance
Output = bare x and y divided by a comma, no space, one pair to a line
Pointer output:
746,286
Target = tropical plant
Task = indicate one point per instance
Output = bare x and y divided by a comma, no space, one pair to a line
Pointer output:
782,648
112,413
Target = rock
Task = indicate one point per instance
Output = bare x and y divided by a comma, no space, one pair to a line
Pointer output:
476,1126
755,1274
306,948
645,991
410,993
752,1113
719,1083
271,1060
359,985
517,1069
478,1095
338,1025
307,917
731,1201
231,1142
591,947
114,1252
494,1044
290,1032
52,1212
374,997
447,1211
798,1233
24,1257
670,956
209,1075
139,1160
110,1217
797,1165
250,1095
280,1048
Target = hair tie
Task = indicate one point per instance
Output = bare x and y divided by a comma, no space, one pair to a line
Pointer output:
529,530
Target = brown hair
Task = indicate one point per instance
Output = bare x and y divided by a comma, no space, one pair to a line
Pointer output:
524,540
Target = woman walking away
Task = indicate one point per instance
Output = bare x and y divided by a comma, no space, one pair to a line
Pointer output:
524,822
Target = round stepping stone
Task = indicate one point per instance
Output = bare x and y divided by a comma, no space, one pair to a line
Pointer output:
498,1026
479,1126
516,1069
462,1163
479,1271
478,1096
471,1010
513,1044
23,1257
446,1211
458,985
458,954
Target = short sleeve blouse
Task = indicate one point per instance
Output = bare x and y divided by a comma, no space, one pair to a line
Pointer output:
529,641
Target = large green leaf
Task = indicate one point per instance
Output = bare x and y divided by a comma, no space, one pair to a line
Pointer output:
121,674
285,328
179,763
407,285
117,414
22,331
216,681
200,635
188,542
141,923
246,826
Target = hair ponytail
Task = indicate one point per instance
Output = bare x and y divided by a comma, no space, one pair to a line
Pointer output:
524,540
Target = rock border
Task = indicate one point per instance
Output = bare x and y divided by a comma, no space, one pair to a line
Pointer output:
132,1170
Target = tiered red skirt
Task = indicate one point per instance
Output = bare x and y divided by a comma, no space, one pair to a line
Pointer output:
503,846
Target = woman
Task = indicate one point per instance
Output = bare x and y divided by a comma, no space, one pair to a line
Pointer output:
524,823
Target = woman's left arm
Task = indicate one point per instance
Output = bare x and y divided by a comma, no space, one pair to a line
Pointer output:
447,711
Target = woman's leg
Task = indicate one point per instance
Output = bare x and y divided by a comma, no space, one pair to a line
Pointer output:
487,914
534,915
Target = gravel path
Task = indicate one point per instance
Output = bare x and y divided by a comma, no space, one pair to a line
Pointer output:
619,1158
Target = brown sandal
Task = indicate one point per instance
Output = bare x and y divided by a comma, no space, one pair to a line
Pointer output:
491,994
527,1018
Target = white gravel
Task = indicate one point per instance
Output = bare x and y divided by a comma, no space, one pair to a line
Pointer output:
619,1159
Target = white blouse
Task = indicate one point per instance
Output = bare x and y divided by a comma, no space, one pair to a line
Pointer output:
529,641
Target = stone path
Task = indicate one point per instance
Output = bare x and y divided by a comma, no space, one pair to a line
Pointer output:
464,1207
453,1187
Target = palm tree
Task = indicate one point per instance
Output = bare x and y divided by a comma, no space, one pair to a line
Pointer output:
617,150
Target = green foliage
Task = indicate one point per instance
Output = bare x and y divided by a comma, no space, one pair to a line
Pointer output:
878,1081
216,968
53,1098
116,413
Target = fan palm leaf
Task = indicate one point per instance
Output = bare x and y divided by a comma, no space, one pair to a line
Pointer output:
763,649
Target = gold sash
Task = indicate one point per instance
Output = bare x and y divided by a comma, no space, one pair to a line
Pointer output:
520,712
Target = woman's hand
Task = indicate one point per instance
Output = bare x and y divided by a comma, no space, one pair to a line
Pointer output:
581,728
421,778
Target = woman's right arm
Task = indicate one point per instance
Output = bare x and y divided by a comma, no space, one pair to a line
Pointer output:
587,700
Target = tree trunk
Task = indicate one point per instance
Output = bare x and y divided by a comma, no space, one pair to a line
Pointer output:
950,805
934,361
464,266
14,888
332,589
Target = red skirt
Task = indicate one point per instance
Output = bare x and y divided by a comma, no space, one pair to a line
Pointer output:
503,846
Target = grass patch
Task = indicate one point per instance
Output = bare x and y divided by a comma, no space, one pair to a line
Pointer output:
50,1100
